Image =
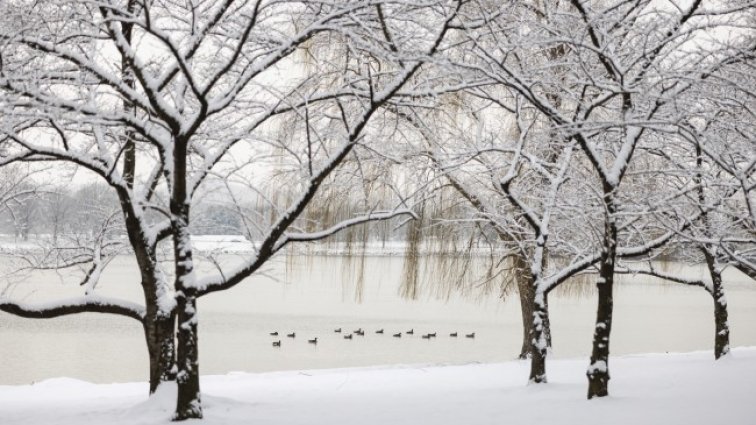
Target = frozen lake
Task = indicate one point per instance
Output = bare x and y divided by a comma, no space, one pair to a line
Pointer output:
312,295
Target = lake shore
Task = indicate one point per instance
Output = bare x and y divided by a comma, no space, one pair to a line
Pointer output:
689,388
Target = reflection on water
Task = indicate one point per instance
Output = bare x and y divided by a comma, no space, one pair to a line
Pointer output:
314,295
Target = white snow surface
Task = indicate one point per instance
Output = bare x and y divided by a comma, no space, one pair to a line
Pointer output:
645,389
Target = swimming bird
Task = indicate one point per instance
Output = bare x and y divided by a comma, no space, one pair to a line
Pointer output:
472,335
292,335
348,336
411,331
360,332
338,331
399,335
453,334
274,334
313,341
357,331
379,331
432,335
426,336
277,343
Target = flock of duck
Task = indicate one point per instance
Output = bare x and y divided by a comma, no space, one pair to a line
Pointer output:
361,332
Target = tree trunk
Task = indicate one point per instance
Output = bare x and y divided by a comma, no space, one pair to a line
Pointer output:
546,321
539,342
159,326
188,405
722,328
159,333
526,292
598,371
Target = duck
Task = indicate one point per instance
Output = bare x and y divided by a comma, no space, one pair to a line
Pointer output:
277,343
338,331
274,334
313,341
432,335
379,331
453,334
411,331
357,331
348,336
360,332
292,335
398,335
426,336
472,335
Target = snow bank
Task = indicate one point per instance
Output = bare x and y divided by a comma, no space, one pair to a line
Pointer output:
647,389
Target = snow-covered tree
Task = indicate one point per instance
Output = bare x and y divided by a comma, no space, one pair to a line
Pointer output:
626,63
156,98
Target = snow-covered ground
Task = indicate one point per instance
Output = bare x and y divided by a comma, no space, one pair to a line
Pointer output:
647,389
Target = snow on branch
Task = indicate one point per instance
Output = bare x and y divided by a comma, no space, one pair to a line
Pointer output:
85,304
741,263
316,236
665,276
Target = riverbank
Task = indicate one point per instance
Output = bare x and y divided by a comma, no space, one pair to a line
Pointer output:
688,388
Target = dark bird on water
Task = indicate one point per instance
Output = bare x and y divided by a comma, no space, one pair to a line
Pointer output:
453,334
348,336
432,335
274,334
399,335
357,331
426,336
338,331
410,332
379,331
292,335
360,332
313,341
472,335
276,343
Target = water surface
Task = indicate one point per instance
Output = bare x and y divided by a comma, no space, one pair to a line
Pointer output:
312,295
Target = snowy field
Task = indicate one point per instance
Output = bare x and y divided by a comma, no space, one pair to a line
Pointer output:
647,389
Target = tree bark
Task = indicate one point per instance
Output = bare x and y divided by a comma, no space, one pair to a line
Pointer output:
539,342
159,334
526,292
721,326
598,371
189,404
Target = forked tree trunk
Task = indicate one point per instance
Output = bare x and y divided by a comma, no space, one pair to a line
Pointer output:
598,370
159,327
721,326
